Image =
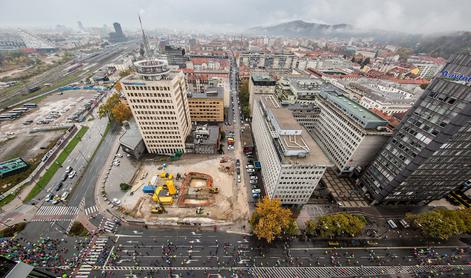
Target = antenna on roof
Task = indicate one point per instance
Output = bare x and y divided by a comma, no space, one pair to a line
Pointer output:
144,40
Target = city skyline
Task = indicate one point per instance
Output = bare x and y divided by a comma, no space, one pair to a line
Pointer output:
423,16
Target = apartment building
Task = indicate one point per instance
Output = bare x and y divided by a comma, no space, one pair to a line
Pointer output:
292,162
430,153
207,106
158,101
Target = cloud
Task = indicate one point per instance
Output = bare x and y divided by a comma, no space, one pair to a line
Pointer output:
419,16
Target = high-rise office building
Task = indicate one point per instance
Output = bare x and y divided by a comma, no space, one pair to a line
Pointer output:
117,29
429,154
117,35
158,101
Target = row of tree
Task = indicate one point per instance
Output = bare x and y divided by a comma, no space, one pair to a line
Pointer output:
270,221
442,224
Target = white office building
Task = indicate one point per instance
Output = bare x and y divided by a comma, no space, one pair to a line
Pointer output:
292,162
350,134
158,101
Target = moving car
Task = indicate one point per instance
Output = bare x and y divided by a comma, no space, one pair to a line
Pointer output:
65,195
72,174
68,169
59,186
49,197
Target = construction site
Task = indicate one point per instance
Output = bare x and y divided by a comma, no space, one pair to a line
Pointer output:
192,190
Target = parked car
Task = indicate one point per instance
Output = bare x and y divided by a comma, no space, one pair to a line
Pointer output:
253,181
392,224
66,175
251,170
238,171
256,191
404,223
238,178
249,166
72,174
116,202
238,163
253,177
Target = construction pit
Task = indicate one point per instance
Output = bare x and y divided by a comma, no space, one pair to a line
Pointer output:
195,190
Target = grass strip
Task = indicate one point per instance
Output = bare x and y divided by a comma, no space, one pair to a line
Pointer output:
44,180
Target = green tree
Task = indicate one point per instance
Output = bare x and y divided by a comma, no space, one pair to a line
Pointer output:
442,224
124,186
340,224
269,219
292,229
311,227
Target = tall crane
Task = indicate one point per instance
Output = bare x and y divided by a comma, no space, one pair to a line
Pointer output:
144,40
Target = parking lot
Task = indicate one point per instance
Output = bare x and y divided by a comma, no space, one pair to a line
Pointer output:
40,127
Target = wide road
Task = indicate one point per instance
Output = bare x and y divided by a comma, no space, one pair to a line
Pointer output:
193,253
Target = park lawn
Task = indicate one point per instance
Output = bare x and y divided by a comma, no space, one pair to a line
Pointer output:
44,180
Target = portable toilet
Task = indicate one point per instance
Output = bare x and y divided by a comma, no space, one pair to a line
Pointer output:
171,187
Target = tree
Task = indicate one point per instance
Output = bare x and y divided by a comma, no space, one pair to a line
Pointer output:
340,224
124,186
292,229
441,223
269,219
311,227
121,112
118,86
105,108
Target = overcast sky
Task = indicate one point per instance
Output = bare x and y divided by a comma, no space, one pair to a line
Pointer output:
413,16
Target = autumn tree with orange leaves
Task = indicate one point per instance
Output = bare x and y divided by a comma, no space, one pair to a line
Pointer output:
270,220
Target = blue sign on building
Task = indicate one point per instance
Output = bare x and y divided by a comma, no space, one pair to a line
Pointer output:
455,76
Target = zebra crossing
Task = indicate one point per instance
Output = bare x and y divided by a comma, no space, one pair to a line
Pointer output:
91,256
351,271
91,210
55,213
107,225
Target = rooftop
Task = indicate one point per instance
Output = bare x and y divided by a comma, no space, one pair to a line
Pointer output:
211,92
262,77
358,113
12,165
294,143
132,137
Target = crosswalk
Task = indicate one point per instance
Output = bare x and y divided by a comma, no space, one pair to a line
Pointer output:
107,225
91,210
91,256
57,210
55,213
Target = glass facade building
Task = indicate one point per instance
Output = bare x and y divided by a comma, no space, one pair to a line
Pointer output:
429,154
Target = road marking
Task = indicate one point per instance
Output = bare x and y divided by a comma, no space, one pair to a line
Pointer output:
373,247
91,210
